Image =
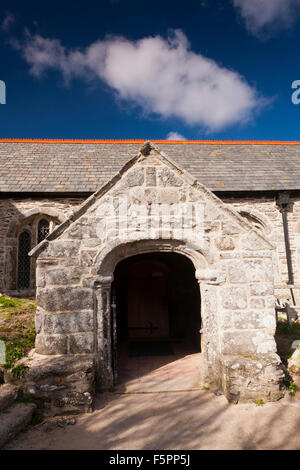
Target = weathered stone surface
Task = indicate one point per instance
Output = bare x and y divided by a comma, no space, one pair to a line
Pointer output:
209,316
134,178
262,288
38,320
168,196
257,302
15,420
269,270
194,195
8,395
225,243
254,319
226,319
65,384
69,322
253,242
212,212
245,379
82,343
150,176
40,278
294,362
166,177
245,271
247,342
88,281
230,228
57,277
63,248
51,344
87,257
65,298
234,297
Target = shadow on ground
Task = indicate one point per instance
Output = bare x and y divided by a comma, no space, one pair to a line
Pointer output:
178,420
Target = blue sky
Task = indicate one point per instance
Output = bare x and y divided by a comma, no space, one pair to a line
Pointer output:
214,69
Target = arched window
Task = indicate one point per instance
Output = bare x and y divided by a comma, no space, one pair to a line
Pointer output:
43,230
24,234
24,260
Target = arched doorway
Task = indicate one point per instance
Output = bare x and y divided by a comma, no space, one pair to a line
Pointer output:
157,321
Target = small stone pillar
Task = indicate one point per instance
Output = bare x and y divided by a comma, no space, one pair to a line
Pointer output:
208,283
103,340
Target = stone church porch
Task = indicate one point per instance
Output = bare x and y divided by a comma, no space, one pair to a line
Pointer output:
90,296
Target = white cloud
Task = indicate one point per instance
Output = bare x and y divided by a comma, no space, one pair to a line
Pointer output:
162,76
7,22
175,136
262,15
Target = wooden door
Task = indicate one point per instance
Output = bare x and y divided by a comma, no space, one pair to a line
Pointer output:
148,308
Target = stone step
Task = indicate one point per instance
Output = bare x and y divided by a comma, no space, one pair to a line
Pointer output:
8,395
14,419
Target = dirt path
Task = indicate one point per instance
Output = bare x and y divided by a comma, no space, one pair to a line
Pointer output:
185,420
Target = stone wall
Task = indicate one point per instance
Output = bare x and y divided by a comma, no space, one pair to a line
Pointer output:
152,205
14,213
265,209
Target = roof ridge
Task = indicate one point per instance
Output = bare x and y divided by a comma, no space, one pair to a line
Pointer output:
142,141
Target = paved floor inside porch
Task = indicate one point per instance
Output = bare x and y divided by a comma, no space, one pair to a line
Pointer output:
171,373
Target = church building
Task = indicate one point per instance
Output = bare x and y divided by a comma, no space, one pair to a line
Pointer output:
124,242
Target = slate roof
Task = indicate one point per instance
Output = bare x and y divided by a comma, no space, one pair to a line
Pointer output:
60,166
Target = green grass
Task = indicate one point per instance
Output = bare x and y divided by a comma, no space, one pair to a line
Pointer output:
293,389
14,305
6,302
18,346
19,371
27,398
259,402
16,327
253,358
37,418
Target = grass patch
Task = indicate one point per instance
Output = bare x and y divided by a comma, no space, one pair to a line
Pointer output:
16,305
112,389
16,327
19,371
293,389
27,398
259,402
37,418
253,358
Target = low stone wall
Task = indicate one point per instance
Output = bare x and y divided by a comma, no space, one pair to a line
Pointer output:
249,378
62,384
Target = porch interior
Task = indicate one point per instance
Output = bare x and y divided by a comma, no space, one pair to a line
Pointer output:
157,343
